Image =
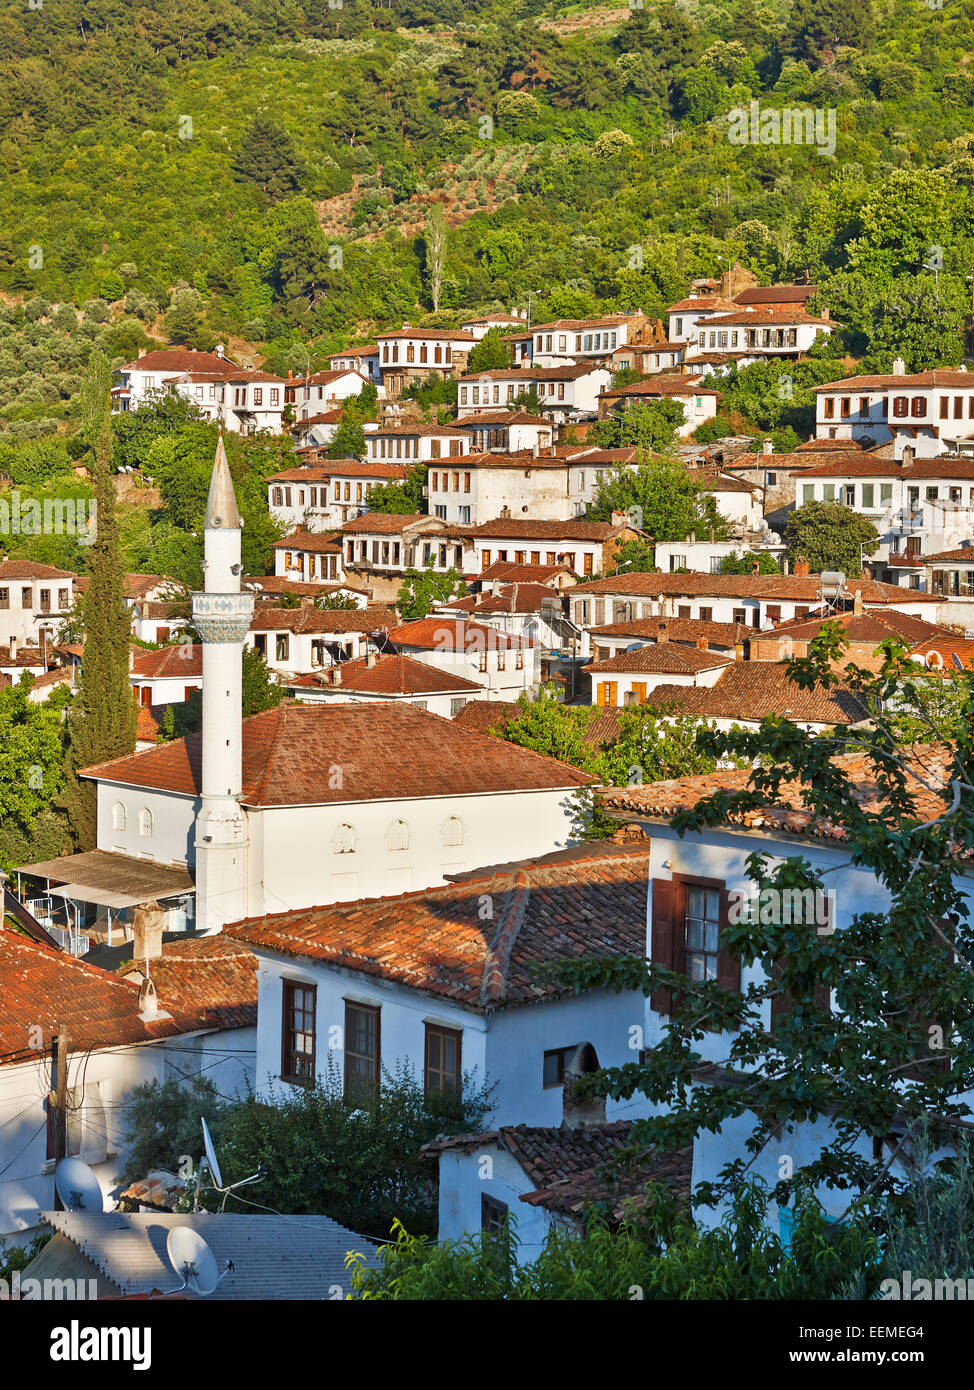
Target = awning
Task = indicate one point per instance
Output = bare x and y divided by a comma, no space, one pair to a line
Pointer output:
111,880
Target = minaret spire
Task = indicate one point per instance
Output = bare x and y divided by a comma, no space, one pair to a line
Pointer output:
222,616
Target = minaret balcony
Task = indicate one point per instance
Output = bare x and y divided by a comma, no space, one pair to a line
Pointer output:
222,617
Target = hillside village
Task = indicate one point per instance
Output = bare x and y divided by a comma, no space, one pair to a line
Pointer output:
487,669
264,884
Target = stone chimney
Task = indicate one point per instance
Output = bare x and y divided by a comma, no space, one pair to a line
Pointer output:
578,1112
824,314
857,602
336,675
662,630
702,644
801,568
907,457
755,566
899,366
146,933
371,659
13,648
767,447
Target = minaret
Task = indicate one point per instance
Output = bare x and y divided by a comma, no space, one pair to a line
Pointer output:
221,616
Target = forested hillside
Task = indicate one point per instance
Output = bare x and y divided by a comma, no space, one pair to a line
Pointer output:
235,170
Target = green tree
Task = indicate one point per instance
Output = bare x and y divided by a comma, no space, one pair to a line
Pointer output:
348,441
744,563
266,158
163,1123
420,589
101,723
650,426
401,499
660,497
829,536
492,353
32,754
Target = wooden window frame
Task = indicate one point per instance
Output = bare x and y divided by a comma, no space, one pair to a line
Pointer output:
668,933
437,1029
363,1008
288,986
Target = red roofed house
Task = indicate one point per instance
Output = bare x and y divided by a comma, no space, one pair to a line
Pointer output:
443,981
699,402
319,496
167,676
503,664
33,598
197,1015
932,412
387,676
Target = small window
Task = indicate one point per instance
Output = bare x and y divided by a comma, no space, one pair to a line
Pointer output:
397,835
145,822
493,1215
298,1033
118,816
554,1065
451,831
443,1050
343,840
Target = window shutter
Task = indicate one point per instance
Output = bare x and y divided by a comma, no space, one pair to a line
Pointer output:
663,937
728,966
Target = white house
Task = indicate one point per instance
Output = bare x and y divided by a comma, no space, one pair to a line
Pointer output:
388,676
585,547
688,315
950,578
631,676
364,360
757,601
699,402
294,641
321,496
33,600
153,373
566,392
309,557
516,485
479,327
565,341
417,442
507,432
746,692
692,879
385,545
928,412
323,391
765,330
502,664
410,355
441,982
167,676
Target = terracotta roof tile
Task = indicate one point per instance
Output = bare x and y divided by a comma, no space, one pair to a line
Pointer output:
438,942
289,753
390,675
338,468
375,618
210,976
753,690
668,658
797,587
177,662
453,634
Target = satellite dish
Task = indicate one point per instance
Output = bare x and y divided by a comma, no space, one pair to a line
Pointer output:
211,1157
193,1260
77,1186
957,661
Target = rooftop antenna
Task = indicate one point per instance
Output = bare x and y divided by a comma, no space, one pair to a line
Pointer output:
77,1186
191,1257
212,1165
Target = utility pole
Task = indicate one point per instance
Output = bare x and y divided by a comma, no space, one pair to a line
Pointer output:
59,1098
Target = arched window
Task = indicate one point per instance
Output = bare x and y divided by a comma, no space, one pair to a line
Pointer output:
451,831
145,821
397,836
118,816
343,840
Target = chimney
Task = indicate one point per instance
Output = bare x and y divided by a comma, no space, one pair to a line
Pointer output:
906,458
824,314
755,566
371,659
663,628
899,366
767,447
146,933
801,568
857,602
336,675
702,644
738,651
579,1112
141,352
13,649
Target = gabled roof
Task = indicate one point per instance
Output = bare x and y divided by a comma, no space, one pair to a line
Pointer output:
313,542
445,634
678,630
453,335
437,941
516,598
30,569
172,663
705,303
667,658
662,385
937,376
374,618
290,753
875,626
776,294
753,690
515,527
511,573
390,674
963,553
181,359
798,587
338,468
769,314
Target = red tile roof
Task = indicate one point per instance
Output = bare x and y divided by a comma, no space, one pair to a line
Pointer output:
453,335
938,376
492,717
944,650
42,988
453,635
180,359
337,468
874,626
769,314
374,618
963,553
666,658
29,569
663,800
521,574
514,528
290,753
776,294
798,587
311,542
662,386
175,662
390,675
437,941
678,630
754,690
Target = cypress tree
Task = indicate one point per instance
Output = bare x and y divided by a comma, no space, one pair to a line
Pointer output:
102,721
